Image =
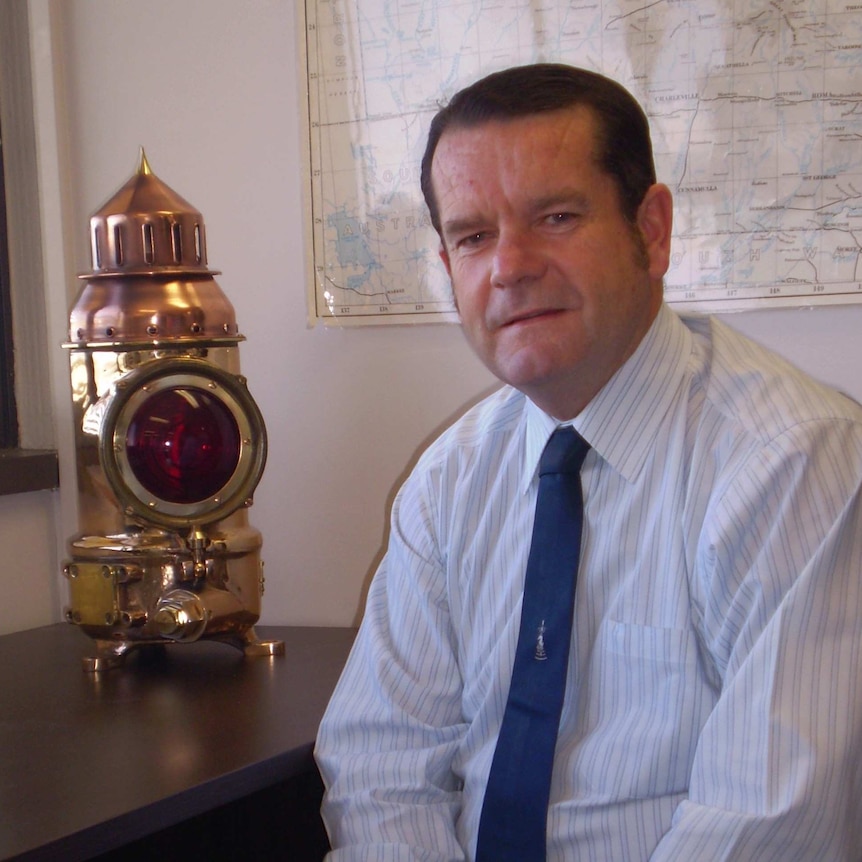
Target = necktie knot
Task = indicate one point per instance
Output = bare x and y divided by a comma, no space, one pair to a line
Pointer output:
564,452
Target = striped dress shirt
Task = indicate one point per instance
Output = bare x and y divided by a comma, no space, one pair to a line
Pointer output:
714,698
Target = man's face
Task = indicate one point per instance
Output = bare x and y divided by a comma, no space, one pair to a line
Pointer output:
554,287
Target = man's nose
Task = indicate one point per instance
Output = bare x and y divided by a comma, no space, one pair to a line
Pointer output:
517,259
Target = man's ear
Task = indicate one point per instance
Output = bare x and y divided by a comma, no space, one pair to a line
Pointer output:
655,222
444,256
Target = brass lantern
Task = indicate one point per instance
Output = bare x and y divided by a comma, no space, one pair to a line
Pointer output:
169,443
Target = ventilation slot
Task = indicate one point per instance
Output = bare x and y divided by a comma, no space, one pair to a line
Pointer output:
118,246
97,247
199,250
149,244
177,242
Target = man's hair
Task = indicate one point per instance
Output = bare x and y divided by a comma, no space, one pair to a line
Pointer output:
623,145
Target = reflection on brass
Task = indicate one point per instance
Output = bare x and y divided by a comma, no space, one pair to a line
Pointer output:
169,443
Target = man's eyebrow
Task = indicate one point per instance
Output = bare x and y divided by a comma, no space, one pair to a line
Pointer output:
564,198
457,225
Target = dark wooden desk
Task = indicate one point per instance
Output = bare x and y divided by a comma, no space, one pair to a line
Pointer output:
194,752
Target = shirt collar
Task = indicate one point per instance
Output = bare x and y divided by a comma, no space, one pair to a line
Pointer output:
622,421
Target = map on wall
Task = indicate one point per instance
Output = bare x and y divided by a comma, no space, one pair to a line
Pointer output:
755,108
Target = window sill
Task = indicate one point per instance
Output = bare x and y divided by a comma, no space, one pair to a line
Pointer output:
23,470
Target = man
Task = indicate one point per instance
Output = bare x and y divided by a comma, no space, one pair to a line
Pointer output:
713,697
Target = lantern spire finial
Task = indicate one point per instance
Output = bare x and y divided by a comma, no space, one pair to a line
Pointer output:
144,168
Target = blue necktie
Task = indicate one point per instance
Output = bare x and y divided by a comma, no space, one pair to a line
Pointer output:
513,824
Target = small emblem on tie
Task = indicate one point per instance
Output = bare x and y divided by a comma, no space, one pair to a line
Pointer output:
541,655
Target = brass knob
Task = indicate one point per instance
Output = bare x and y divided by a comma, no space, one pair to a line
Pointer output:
180,616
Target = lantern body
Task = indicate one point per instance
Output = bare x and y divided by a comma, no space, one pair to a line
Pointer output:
169,442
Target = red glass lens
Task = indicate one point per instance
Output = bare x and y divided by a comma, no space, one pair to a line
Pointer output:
183,445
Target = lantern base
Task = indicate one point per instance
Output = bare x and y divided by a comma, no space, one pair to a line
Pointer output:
110,654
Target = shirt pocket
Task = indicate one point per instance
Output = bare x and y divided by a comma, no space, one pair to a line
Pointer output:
641,703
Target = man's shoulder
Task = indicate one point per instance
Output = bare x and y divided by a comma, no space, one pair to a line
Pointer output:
760,391
500,413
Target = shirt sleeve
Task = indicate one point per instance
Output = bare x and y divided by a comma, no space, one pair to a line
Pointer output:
778,594
389,735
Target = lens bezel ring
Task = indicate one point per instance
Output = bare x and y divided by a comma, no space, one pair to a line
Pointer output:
132,391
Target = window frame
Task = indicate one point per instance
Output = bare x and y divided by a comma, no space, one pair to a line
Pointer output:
26,461
8,404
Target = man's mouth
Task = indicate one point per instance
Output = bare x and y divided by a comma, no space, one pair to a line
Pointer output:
528,316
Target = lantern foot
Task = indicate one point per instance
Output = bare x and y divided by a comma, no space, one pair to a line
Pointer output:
254,647
109,654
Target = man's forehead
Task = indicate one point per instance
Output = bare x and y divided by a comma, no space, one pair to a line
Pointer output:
576,121
566,136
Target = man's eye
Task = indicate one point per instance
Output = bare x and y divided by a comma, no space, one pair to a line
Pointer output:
560,218
471,240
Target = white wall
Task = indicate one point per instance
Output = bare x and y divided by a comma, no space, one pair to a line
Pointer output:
212,89
28,573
